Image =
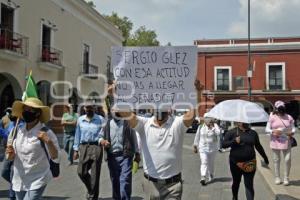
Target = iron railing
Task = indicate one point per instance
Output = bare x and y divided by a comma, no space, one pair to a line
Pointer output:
239,83
90,71
51,55
14,42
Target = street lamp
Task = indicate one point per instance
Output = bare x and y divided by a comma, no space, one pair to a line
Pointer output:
249,71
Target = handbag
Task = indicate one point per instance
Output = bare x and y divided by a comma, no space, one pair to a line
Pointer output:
248,166
293,142
54,167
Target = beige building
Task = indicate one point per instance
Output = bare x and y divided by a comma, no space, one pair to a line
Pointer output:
65,43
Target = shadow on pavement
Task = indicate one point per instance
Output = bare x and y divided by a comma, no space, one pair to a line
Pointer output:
284,197
221,179
132,198
55,198
4,193
295,183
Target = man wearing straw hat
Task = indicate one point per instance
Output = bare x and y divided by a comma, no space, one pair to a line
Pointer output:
31,165
87,148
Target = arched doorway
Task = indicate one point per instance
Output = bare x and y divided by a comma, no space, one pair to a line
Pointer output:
10,90
267,105
293,109
74,99
43,90
95,97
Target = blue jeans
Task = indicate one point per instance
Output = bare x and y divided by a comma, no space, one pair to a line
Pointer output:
68,146
121,176
31,194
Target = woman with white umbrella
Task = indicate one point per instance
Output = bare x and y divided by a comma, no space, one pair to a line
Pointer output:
243,142
206,142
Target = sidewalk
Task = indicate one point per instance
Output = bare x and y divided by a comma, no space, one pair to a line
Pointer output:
291,192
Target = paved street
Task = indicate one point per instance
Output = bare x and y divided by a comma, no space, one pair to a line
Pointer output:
68,186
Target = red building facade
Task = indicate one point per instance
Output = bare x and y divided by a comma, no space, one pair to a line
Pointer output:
223,66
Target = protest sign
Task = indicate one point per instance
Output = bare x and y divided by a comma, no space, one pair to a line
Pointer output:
155,76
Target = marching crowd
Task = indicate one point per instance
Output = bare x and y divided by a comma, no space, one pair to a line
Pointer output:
32,149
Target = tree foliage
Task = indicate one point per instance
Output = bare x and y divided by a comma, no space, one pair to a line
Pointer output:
141,37
124,24
91,3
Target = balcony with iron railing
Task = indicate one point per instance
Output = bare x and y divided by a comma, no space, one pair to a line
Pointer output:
13,45
90,71
237,83
51,57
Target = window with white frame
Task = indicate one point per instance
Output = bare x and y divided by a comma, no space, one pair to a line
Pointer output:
275,75
223,78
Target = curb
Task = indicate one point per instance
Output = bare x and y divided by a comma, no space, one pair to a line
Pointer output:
279,191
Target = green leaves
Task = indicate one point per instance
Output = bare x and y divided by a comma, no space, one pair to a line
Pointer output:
141,37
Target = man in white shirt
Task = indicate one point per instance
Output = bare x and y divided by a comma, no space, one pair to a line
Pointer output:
162,141
161,146
206,142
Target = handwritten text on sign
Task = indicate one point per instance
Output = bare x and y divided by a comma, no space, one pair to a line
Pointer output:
155,75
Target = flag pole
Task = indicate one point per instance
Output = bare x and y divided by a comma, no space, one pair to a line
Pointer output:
10,140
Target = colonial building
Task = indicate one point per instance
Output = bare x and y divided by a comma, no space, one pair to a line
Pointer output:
223,66
65,43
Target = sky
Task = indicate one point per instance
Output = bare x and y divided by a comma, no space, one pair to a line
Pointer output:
183,21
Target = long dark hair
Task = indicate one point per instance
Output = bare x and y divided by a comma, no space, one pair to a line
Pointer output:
280,110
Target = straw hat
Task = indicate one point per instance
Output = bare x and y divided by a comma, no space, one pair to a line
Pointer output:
17,108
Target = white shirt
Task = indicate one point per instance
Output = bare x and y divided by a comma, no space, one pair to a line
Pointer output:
161,146
206,139
31,166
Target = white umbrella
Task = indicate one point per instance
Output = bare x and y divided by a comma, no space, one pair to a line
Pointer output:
238,111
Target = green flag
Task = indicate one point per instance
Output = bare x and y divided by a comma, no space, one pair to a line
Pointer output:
30,90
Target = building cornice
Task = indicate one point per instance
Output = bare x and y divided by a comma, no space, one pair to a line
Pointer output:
83,12
254,92
245,40
263,47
